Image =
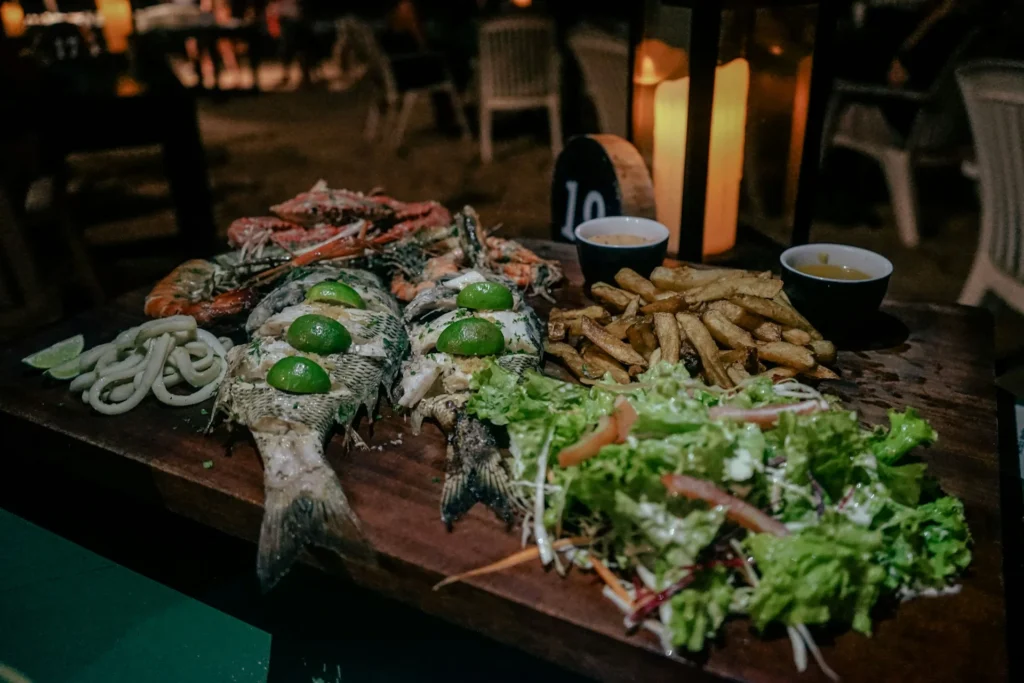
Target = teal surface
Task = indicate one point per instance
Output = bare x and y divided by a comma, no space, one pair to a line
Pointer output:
68,615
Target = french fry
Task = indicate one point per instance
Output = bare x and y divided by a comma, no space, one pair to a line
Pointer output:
737,373
732,356
556,330
632,308
596,358
632,281
746,358
665,294
641,337
559,372
769,308
594,312
612,296
694,329
820,372
725,333
655,357
610,345
669,304
784,353
737,315
618,328
666,329
824,351
767,330
569,356
730,287
635,370
795,336
684,278
783,299
779,373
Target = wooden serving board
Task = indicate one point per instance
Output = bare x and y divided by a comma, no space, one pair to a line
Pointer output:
942,368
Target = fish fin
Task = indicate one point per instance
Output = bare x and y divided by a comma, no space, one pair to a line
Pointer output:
478,476
307,509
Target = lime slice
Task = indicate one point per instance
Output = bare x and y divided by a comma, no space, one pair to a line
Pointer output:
55,355
335,293
68,370
485,296
318,334
471,337
298,375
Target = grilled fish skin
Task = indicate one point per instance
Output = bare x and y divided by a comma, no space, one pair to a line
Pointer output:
475,472
304,501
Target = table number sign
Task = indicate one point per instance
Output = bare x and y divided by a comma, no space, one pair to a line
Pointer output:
597,176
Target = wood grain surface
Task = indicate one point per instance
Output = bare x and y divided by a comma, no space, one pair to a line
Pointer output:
935,358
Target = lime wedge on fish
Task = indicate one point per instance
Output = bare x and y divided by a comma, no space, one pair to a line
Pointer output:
471,337
335,293
318,334
485,296
68,370
298,375
59,353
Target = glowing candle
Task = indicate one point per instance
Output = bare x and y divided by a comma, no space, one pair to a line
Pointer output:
797,132
725,165
522,3
13,17
117,23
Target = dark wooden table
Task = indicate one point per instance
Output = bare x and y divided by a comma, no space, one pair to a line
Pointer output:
942,367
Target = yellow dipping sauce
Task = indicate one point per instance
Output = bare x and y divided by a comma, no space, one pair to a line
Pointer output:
833,272
620,240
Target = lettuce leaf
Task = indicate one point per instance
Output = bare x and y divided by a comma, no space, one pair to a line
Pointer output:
824,446
823,573
699,610
680,539
906,431
926,546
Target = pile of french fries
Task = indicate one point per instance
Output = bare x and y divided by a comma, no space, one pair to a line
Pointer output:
725,325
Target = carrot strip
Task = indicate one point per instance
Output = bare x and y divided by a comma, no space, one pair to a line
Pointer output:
609,578
514,559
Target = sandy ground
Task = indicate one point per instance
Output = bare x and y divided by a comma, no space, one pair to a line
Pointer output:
264,148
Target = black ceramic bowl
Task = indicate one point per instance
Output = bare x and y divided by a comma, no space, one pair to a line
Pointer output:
600,262
839,307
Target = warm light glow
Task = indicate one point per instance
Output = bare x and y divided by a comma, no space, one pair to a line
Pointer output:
775,50
117,23
13,17
725,166
522,3
656,61
797,132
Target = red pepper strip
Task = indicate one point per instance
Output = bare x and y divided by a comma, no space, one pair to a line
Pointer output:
766,416
741,512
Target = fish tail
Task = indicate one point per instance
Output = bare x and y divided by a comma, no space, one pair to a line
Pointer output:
307,509
476,473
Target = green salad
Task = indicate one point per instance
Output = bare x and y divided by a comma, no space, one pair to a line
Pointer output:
768,501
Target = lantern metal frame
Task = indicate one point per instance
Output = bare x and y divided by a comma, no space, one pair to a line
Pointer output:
704,48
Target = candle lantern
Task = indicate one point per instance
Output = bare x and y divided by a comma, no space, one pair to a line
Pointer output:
727,102
117,23
13,17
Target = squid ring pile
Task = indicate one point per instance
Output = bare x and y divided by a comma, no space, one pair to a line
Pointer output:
154,356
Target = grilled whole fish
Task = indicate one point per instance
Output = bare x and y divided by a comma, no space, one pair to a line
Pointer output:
304,502
436,385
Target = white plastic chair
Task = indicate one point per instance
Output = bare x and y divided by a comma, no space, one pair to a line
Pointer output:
604,61
519,69
994,93
391,106
855,121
